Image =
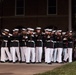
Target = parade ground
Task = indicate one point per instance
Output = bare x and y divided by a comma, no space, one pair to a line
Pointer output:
26,69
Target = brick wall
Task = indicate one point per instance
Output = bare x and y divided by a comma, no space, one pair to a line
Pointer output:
35,14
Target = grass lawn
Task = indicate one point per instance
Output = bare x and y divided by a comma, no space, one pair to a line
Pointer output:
68,69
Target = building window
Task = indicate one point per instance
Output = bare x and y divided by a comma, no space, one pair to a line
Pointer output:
51,6
19,7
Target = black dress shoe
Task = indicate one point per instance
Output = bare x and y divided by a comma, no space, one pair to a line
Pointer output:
7,61
22,61
2,62
39,62
52,61
19,61
27,63
65,61
57,62
14,62
49,63
60,62
10,61
45,62
33,62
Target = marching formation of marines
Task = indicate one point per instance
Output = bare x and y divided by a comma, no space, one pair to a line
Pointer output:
29,45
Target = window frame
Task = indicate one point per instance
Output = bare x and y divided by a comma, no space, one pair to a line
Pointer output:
48,7
16,10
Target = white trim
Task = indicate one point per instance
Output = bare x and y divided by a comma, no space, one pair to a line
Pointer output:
15,9
70,16
47,8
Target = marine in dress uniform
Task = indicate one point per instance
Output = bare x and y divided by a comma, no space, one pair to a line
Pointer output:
44,42
23,48
65,46
74,53
59,46
14,45
55,46
30,53
4,46
49,47
70,46
39,44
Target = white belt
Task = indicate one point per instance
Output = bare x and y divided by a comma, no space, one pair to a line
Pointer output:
70,42
54,41
49,41
39,40
15,41
30,41
23,40
5,40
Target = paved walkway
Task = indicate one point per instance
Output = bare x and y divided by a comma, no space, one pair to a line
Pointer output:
25,69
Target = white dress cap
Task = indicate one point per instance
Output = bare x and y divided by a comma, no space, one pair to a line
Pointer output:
46,29
38,28
54,31
50,30
30,29
63,33
23,29
15,30
59,30
6,30
71,31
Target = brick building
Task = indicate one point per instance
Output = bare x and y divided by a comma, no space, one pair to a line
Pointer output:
32,13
